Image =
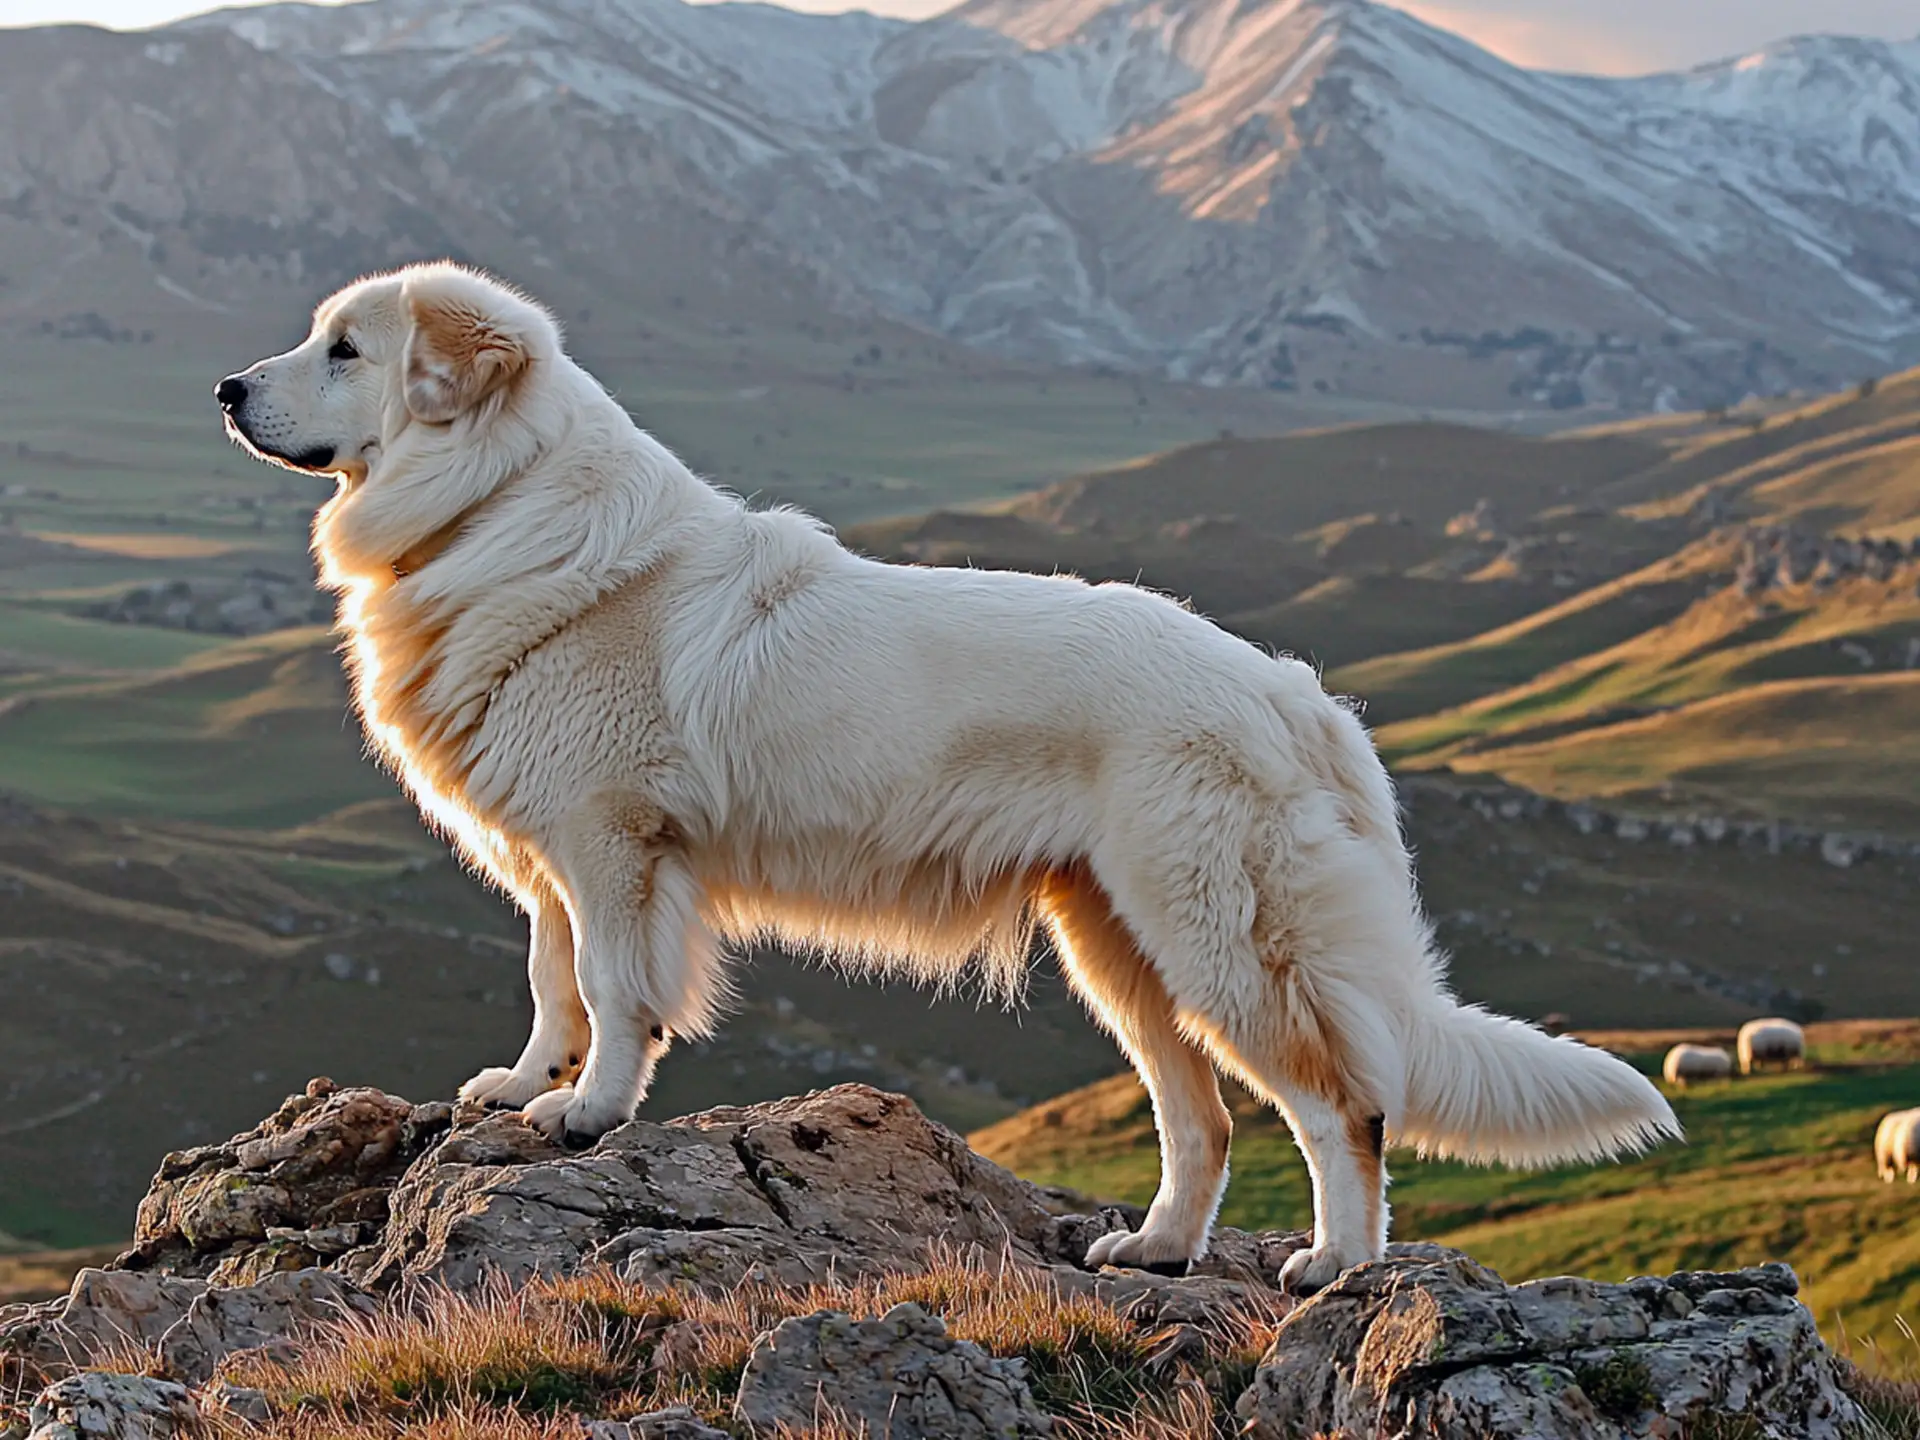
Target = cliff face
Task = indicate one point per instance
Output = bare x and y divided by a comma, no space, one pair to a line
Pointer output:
835,1259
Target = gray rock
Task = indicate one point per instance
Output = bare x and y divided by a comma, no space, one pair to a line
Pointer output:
679,1423
189,1325
239,1401
849,1178
325,1158
100,1405
901,1376
270,1315
103,1310
1441,1349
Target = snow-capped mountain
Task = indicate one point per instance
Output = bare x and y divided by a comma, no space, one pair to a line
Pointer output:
1321,193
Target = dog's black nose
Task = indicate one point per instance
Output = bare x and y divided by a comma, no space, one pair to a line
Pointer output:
230,392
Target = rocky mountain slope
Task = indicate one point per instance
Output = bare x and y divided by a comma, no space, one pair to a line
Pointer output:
767,1270
1317,194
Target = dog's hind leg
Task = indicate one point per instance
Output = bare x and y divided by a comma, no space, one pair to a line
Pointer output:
1104,964
1276,935
647,967
557,1047
1318,1044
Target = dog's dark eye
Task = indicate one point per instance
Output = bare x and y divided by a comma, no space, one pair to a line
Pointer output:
342,349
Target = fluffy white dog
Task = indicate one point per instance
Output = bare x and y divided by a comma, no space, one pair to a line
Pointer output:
661,719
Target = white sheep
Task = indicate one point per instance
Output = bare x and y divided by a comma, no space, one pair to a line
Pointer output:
1686,1063
1896,1145
1771,1042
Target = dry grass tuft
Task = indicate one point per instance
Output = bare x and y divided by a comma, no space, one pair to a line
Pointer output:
507,1363
1883,1380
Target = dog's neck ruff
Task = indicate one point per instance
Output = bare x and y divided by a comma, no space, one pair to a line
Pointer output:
437,544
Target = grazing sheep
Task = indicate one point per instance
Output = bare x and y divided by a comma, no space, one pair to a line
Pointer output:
1686,1063
1771,1042
1896,1145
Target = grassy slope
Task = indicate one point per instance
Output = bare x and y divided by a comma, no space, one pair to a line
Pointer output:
1840,751
1775,1167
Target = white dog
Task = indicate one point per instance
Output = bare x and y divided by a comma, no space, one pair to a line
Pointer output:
659,719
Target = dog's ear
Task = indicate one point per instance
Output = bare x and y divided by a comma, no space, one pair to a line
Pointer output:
457,353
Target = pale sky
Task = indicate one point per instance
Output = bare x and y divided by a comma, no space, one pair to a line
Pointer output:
1620,37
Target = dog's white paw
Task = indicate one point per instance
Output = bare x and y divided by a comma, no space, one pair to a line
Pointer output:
1160,1253
573,1117
504,1087
1309,1271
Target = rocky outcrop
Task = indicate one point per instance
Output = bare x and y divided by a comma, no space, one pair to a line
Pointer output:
900,1375
1443,1348
344,1199
307,1184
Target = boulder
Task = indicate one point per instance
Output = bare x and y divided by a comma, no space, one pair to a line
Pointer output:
850,1180
678,1423
188,1325
901,1376
1439,1347
325,1160
100,1405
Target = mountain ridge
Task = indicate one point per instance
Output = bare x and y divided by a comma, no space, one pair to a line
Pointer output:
1324,195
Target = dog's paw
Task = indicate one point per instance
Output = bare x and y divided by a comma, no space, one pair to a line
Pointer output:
572,1117
1158,1254
1309,1271
502,1087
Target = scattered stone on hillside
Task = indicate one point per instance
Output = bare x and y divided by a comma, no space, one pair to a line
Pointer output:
1839,851
1509,803
101,1405
187,1323
679,1423
1442,1349
242,1402
253,603
901,1376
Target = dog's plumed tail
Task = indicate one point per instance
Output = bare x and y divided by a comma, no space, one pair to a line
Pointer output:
1487,1089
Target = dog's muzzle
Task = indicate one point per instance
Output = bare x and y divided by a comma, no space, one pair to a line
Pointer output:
232,393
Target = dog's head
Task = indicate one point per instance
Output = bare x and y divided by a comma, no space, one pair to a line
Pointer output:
428,345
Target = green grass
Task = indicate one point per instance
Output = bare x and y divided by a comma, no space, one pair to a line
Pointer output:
35,636
1421,682
1841,751
1774,1168
254,733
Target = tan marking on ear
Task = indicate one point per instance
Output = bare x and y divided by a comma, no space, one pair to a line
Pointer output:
456,356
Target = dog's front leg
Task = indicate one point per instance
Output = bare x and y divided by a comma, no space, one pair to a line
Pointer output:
557,1048
645,964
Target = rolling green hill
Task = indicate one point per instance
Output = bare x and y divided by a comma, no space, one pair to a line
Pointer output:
1776,1167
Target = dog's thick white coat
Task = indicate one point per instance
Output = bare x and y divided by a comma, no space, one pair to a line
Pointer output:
663,720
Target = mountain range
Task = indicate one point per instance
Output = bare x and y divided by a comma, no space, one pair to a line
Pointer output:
1327,195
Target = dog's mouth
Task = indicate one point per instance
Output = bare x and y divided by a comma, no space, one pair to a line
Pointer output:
315,459
318,458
